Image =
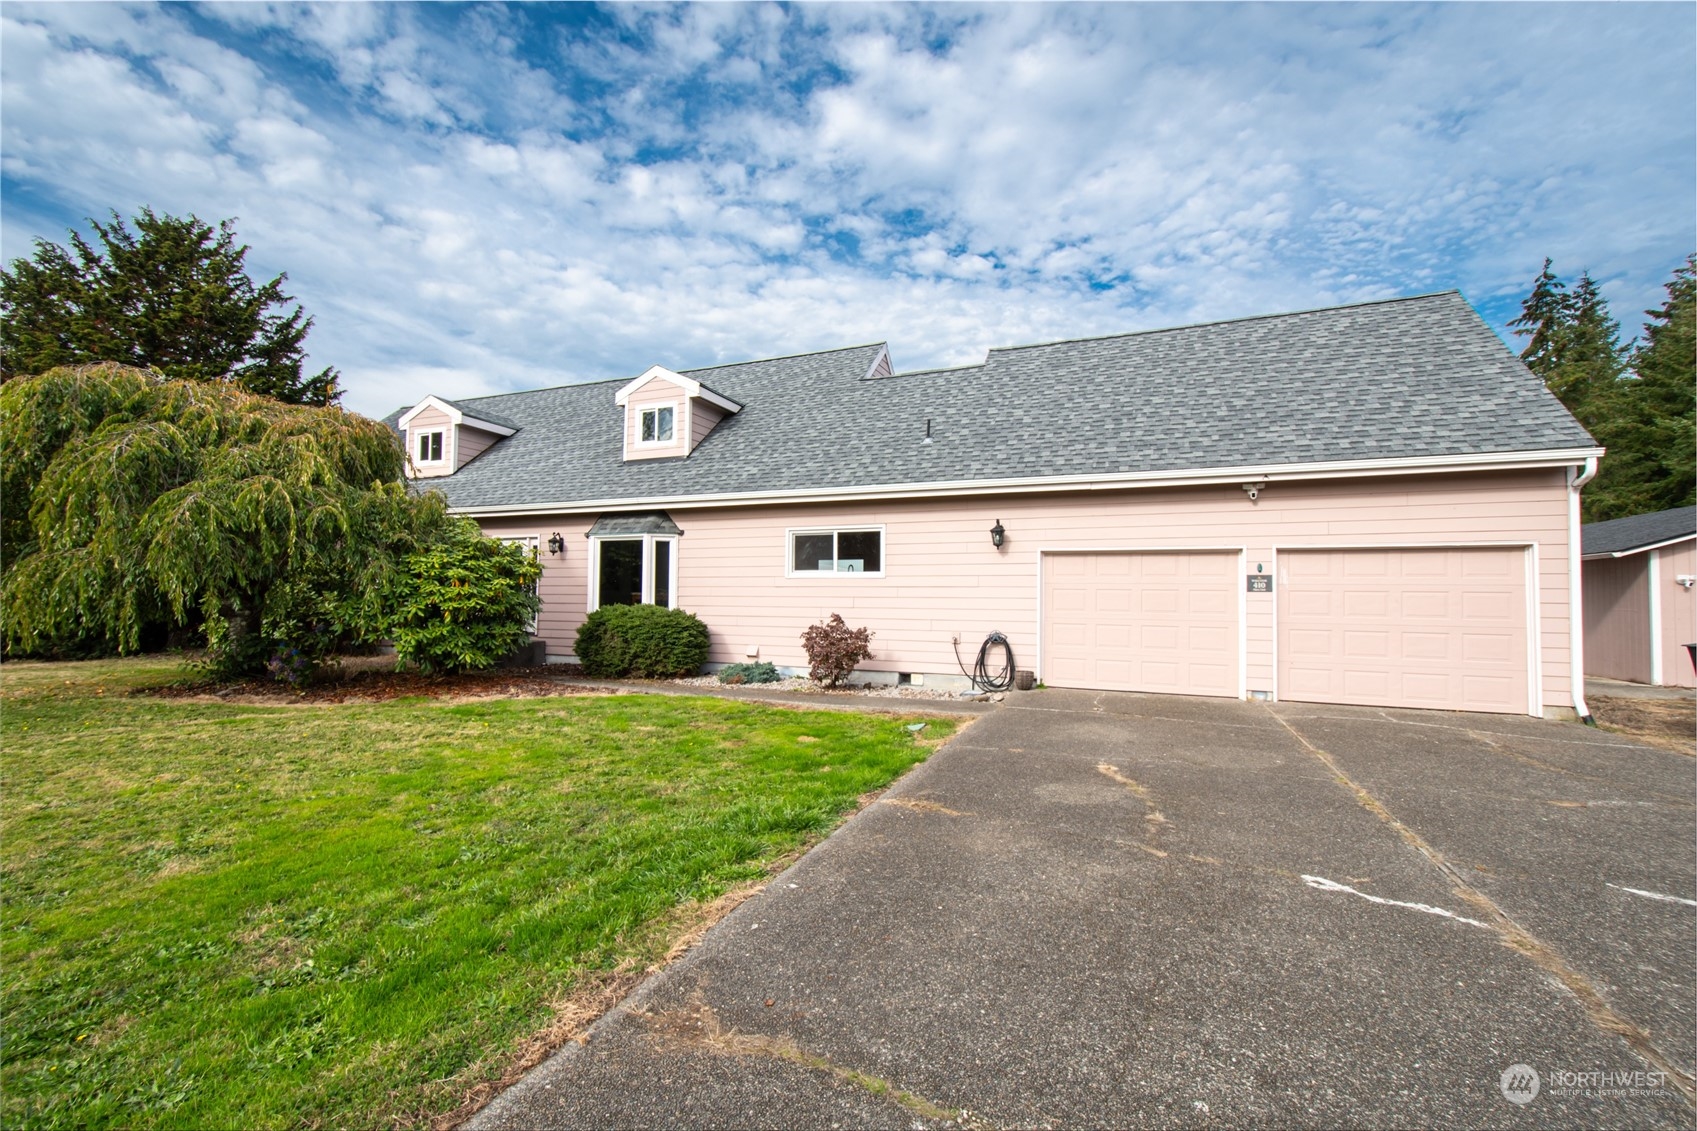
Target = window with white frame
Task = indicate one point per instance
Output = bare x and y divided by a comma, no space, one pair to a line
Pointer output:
639,569
850,550
429,446
531,543
658,426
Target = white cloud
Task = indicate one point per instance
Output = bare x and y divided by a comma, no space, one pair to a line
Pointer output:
471,200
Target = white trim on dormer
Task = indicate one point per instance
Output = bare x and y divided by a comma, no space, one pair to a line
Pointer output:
881,361
689,385
455,414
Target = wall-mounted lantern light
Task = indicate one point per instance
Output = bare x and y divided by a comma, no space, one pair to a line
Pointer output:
556,543
997,534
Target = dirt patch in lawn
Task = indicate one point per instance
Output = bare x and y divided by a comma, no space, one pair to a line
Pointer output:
375,686
1669,723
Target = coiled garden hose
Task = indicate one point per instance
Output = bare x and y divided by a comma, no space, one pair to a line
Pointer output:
982,676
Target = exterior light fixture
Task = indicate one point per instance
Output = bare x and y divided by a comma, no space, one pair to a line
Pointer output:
997,534
556,543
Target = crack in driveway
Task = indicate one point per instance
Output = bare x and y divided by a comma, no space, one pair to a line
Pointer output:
1512,934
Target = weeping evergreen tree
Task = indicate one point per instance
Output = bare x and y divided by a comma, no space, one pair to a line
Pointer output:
130,496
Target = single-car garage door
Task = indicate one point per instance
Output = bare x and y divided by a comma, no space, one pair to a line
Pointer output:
1404,628
1142,622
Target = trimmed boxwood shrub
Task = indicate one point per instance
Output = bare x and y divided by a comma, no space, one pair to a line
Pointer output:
641,641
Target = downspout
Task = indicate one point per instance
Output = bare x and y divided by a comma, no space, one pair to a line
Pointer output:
1576,479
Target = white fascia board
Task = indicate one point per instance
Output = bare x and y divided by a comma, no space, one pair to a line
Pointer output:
487,426
657,373
1641,549
435,402
1271,474
712,398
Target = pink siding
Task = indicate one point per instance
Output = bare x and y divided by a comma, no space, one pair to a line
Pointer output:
943,577
1679,612
471,443
430,420
1617,618
658,392
703,415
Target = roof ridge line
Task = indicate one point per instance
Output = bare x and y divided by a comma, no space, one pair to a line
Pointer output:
1229,321
781,357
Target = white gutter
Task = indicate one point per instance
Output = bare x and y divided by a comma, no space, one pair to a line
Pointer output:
1272,473
1576,479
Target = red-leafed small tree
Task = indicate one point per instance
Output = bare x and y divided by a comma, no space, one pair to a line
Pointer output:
834,649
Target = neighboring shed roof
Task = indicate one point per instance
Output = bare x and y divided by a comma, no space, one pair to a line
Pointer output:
1406,378
1621,536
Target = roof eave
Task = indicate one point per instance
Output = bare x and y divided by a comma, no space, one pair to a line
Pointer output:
1644,549
1271,473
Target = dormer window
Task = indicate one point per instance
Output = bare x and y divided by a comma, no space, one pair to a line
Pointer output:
658,425
441,437
668,414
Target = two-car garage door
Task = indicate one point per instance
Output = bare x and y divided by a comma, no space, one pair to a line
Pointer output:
1439,628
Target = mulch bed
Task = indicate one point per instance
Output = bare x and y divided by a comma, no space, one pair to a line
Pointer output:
1666,722
373,686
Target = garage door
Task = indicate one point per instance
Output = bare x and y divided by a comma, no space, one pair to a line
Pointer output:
1142,622
1404,628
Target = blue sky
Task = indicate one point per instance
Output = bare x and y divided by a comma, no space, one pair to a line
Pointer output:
473,198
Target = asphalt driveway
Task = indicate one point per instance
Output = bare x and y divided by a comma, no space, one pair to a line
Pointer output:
1128,910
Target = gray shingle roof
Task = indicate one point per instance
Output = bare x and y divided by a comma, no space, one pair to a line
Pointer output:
1404,378
1638,531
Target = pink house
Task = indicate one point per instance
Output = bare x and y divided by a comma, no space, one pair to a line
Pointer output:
1640,612
1371,504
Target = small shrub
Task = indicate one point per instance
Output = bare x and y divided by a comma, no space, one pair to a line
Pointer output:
464,603
749,673
834,649
642,642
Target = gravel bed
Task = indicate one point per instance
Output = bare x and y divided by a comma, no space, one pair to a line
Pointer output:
803,685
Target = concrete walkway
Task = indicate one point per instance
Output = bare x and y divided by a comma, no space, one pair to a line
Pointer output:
1132,911
1621,689
816,700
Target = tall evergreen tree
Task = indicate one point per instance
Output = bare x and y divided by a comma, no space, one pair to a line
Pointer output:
1575,343
1650,418
1544,315
172,295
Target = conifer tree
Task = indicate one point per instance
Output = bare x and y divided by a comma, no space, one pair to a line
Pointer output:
171,295
1650,419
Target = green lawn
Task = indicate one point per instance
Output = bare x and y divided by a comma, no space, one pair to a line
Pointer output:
240,916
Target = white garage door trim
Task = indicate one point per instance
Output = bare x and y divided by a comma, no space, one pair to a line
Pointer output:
1534,611
1242,552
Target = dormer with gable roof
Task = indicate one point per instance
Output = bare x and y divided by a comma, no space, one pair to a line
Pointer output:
441,437
668,414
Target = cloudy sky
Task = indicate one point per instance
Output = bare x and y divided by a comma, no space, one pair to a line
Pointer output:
475,199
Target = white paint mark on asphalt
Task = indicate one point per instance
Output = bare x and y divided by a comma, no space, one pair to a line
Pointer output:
1653,895
1321,883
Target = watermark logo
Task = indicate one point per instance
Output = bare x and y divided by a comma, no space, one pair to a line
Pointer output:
1520,1084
